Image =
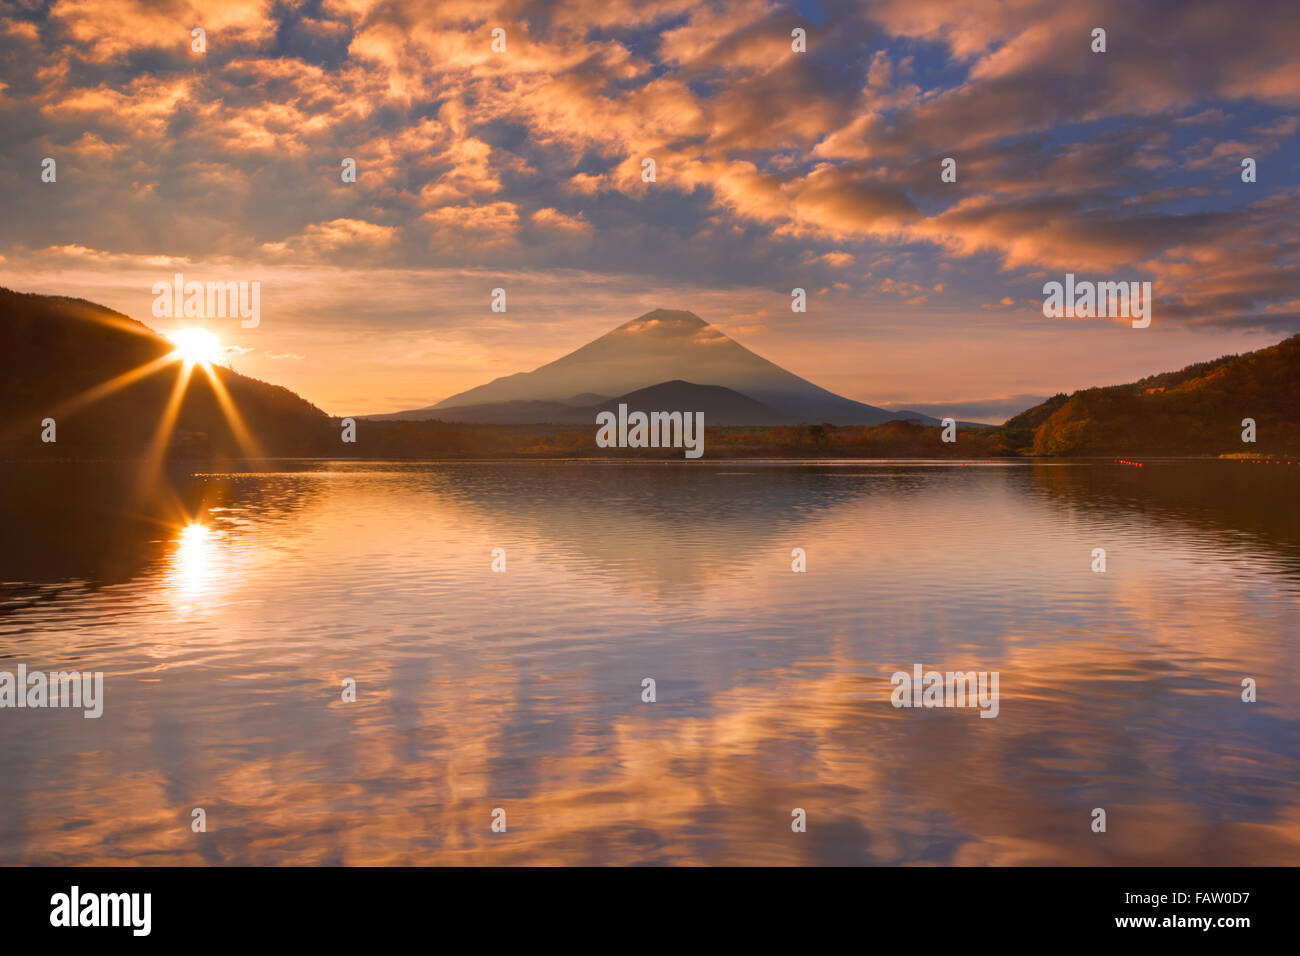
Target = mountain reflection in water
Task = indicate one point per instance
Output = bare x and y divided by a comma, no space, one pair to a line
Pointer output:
227,613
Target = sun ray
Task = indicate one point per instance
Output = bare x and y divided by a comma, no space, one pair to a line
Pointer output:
157,450
193,347
104,389
75,403
247,443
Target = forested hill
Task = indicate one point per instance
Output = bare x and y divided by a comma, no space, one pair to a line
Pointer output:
60,354
1197,410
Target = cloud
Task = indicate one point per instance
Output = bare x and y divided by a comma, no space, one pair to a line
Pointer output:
338,233
769,162
106,30
490,223
556,221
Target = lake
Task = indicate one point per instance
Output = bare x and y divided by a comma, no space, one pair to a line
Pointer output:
227,611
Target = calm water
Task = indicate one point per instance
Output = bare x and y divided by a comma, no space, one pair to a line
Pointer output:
224,646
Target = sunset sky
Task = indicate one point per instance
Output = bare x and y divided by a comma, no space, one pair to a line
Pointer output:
775,169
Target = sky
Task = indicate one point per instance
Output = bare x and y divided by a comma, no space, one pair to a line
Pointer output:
522,169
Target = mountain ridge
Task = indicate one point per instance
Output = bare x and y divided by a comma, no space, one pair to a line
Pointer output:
1198,410
60,350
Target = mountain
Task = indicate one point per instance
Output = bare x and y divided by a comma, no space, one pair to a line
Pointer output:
660,347
721,406
1195,411
60,352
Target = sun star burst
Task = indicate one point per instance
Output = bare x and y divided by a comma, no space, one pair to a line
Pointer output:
196,346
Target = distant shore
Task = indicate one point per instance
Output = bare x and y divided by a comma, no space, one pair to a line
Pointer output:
323,438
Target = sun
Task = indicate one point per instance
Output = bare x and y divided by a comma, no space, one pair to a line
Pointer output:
195,346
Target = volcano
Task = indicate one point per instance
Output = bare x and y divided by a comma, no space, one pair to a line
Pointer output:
656,348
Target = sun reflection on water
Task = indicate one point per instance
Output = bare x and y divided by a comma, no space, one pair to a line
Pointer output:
191,572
